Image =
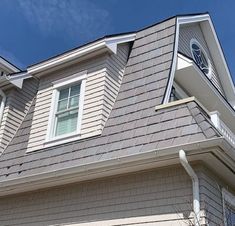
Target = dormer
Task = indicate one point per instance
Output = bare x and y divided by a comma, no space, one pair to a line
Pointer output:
77,91
199,70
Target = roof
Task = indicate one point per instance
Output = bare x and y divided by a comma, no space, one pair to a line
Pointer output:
133,126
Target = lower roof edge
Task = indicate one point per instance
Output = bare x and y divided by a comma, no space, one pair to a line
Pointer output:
127,164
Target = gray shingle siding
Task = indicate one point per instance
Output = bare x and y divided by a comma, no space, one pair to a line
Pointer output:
153,197
133,125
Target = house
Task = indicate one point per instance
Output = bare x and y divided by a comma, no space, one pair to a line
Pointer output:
131,129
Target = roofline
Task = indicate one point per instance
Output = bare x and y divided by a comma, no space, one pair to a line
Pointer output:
108,42
18,78
111,36
9,65
115,166
172,17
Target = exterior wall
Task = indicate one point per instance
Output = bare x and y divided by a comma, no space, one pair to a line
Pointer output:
211,196
187,32
158,197
17,105
102,85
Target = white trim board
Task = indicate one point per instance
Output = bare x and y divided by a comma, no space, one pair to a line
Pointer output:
50,140
6,65
110,44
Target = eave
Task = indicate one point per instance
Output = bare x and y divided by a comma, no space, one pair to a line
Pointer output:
13,80
216,153
108,44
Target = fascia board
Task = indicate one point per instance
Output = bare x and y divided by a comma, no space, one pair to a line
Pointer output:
104,168
226,79
110,44
17,80
192,19
8,66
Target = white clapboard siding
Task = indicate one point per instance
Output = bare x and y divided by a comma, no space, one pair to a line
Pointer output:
157,197
17,105
104,75
188,32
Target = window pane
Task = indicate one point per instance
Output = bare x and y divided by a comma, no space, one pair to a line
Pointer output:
75,90
66,122
64,93
230,216
62,105
73,101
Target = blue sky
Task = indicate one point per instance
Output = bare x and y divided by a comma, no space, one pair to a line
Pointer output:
33,30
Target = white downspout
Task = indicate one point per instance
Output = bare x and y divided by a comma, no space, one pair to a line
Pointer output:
196,196
3,102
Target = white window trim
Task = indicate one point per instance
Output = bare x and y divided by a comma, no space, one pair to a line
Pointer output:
227,198
50,140
195,41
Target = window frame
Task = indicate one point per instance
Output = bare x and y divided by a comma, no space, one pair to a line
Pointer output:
228,198
195,41
58,85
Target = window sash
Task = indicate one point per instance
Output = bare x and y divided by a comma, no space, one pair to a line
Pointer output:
60,128
77,78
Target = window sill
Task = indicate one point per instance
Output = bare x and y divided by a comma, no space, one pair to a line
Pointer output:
62,140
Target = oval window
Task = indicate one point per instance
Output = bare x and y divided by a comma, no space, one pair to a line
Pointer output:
200,57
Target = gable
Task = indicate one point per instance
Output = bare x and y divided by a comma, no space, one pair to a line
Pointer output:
192,31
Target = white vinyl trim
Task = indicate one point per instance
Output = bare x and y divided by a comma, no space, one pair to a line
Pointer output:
50,139
226,77
2,106
173,66
110,44
8,65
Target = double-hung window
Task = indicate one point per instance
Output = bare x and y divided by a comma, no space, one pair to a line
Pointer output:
66,110
66,116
